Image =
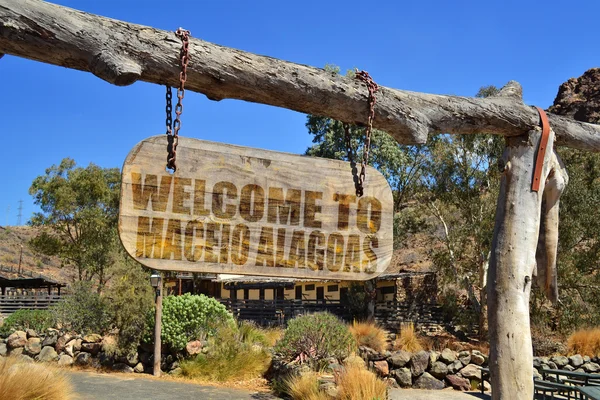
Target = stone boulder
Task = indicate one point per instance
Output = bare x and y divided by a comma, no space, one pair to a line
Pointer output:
68,350
428,382
576,360
50,339
62,342
65,360
105,359
477,359
381,368
31,333
439,370
458,383
560,361
16,339
48,354
433,356
193,348
455,367
419,363
33,346
83,359
448,356
591,367
3,349
471,371
129,359
92,348
464,357
399,359
403,376
92,338
122,367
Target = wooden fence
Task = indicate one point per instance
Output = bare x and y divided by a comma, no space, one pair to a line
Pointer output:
388,314
11,303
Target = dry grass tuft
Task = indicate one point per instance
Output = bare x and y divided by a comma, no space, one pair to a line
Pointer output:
272,335
585,342
355,361
28,381
407,339
369,334
304,387
356,383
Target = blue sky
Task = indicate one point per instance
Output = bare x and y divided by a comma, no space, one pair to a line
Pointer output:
435,46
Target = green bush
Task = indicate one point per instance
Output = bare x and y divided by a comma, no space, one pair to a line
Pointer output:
38,320
130,299
315,338
190,317
235,353
83,311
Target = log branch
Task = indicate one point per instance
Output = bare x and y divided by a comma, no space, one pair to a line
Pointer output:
122,53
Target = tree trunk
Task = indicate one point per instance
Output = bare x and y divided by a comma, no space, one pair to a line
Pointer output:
512,265
122,53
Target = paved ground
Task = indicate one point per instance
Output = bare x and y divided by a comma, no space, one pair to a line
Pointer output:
93,386
446,394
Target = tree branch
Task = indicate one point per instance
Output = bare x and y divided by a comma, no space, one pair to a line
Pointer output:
122,53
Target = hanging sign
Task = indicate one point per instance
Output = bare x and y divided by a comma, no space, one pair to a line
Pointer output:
237,210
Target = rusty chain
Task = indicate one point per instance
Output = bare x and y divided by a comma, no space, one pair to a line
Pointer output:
173,127
360,179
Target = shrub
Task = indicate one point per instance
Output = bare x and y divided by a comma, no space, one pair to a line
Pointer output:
356,383
314,338
83,311
304,387
407,339
130,299
369,334
233,355
28,381
38,320
585,342
190,317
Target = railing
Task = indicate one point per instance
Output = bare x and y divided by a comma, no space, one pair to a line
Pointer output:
11,303
20,271
279,312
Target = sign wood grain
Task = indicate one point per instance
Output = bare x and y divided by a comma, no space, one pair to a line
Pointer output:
238,210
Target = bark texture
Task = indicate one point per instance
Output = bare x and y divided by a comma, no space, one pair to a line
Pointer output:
122,53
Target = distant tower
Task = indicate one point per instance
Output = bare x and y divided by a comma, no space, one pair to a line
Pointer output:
20,215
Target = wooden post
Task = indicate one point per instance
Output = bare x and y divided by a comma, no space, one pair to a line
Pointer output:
513,265
157,328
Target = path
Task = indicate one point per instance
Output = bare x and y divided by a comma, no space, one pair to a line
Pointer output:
94,386
446,394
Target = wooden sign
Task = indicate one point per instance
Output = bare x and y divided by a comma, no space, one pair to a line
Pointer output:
237,210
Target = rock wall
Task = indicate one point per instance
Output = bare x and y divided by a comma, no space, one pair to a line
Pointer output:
95,351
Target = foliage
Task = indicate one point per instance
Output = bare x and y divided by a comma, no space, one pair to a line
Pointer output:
28,381
234,354
130,299
83,311
38,320
369,334
190,317
79,208
314,338
585,342
355,301
407,339
304,386
356,383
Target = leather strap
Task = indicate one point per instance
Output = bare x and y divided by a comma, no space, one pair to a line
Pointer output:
539,161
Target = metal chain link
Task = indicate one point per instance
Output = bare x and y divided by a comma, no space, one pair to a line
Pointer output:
360,179
173,127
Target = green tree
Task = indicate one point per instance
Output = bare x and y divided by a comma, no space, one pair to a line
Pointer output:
79,208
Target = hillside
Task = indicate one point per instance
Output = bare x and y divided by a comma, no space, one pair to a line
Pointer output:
11,240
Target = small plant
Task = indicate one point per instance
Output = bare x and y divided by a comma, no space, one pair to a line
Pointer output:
233,355
28,381
38,320
304,387
356,383
407,339
191,317
314,338
369,334
84,311
585,342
